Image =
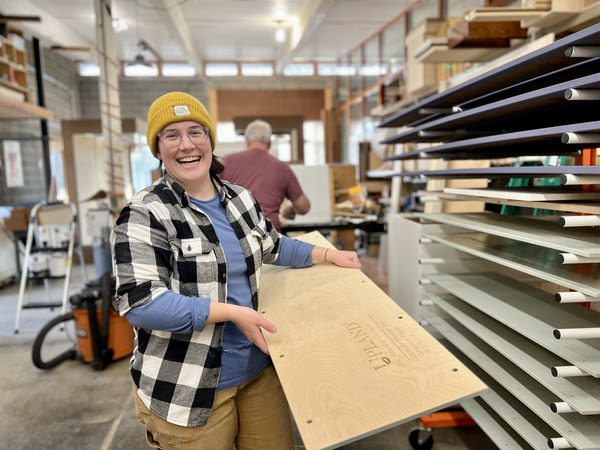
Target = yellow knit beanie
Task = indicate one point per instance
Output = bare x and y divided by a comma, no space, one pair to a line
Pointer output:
176,107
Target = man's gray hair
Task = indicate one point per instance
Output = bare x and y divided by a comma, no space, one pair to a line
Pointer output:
258,131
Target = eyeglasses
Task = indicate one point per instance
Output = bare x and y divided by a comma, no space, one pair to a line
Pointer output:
172,138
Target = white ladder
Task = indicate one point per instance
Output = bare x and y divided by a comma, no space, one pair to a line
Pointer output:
52,217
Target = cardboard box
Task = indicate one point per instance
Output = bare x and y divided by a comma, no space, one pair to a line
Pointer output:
18,220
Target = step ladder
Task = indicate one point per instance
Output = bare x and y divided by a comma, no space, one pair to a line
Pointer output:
50,238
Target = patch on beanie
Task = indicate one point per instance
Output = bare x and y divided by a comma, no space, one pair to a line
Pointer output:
181,110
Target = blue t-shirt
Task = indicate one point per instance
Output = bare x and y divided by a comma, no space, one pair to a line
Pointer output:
241,360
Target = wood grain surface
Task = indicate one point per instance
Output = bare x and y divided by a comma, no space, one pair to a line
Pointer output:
352,362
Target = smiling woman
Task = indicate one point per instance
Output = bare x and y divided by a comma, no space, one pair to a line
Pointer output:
188,255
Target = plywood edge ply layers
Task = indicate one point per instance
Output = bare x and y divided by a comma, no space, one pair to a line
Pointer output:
352,362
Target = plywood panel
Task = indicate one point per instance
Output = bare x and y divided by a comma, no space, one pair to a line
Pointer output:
351,361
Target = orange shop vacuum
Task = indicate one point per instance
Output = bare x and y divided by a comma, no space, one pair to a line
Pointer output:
101,335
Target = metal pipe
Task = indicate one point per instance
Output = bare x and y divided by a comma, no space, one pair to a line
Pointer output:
582,94
568,371
432,261
568,179
579,221
577,333
573,297
570,258
580,138
559,443
561,407
582,51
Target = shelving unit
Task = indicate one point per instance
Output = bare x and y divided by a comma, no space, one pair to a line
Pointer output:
501,321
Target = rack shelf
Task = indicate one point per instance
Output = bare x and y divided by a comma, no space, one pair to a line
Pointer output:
530,66
543,141
498,431
530,312
528,425
582,431
532,231
575,207
582,393
494,172
548,103
533,260
524,107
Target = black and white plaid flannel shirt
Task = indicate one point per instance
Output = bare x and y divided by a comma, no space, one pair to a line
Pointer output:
161,242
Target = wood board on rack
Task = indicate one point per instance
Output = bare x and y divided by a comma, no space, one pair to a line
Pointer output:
351,361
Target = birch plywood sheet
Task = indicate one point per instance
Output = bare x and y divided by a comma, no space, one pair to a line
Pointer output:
352,362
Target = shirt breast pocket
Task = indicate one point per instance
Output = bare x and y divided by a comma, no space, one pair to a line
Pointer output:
195,271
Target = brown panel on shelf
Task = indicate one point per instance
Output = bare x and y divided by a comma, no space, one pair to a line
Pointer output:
260,103
484,34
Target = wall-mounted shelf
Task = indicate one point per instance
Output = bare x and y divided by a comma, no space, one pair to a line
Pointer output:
14,109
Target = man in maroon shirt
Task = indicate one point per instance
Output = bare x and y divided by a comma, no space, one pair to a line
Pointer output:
269,179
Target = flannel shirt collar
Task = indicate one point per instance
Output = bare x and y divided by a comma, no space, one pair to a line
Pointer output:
182,196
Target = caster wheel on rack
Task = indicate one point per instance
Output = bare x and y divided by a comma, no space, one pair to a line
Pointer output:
421,439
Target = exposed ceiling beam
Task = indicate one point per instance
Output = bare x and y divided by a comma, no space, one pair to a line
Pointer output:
50,29
182,34
313,14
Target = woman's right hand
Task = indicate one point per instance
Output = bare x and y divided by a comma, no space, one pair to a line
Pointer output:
250,323
247,320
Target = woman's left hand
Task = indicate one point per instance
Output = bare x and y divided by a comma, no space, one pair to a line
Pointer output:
342,258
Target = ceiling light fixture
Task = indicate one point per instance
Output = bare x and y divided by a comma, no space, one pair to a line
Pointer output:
139,66
280,32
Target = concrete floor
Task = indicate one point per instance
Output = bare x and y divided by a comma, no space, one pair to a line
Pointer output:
75,407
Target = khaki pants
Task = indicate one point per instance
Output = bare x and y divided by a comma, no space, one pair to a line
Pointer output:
252,416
